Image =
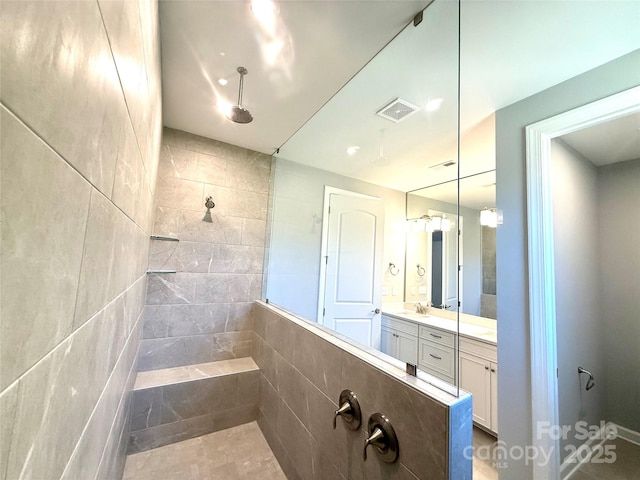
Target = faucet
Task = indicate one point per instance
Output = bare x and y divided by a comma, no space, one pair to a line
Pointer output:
421,309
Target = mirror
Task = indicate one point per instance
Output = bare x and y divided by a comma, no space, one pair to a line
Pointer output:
436,250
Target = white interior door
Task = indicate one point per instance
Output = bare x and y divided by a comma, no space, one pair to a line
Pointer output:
354,268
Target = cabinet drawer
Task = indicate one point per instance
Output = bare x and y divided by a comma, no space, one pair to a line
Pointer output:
400,325
480,349
438,336
433,356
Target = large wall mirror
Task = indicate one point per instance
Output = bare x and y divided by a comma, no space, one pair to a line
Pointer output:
436,223
402,162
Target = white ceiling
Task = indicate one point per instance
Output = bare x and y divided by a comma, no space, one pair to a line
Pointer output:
611,142
324,44
509,51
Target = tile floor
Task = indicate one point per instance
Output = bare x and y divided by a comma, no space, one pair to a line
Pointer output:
625,467
218,456
483,468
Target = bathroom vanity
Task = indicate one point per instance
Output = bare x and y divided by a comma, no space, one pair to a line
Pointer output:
430,341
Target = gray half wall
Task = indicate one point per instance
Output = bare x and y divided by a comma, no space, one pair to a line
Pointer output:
302,375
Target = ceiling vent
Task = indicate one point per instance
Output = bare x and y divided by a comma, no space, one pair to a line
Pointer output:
447,163
397,110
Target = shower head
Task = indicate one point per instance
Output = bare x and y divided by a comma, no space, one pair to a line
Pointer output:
238,114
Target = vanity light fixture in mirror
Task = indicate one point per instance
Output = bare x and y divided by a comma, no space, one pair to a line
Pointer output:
429,223
489,217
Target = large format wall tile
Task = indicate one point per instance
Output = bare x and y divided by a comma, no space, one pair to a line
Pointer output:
42,240
79,160
65,43
69,382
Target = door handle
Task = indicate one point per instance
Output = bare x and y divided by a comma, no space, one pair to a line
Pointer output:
376,311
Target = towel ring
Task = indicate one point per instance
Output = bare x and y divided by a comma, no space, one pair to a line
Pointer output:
393,270
421,270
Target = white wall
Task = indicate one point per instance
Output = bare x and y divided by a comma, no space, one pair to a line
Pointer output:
619,212
514,396
579,325
296,235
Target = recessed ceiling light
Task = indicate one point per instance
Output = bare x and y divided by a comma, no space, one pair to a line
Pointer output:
433,104
222,54
353,150
223,81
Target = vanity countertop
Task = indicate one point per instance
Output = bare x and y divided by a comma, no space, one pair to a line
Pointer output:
484,333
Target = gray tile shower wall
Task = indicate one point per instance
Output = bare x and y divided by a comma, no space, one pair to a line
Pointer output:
81,127
301,377
202,313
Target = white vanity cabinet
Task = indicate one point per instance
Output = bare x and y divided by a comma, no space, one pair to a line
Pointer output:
436,354
479,376
399,339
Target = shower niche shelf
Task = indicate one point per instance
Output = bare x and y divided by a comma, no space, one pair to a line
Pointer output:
164,239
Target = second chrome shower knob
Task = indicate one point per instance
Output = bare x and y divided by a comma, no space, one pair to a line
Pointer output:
349,410
383,439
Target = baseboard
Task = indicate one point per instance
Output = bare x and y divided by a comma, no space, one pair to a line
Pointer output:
628,435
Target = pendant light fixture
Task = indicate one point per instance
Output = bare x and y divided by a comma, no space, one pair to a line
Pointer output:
237,113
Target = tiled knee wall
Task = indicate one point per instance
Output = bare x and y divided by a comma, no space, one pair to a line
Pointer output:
301,377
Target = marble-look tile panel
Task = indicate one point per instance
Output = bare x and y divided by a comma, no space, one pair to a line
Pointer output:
65,42
122,23
232,202
175,192
38,294
254,232
167,222
319,361
296,440
69,382
155,437
419,421
237,453
130,189
323,467
173,352
177,351
293,388
213,147
188,225
236,259
161,321
186,373
222,228
180,256
171,288
241,316
108,418
98,258
269,400
190,165
202,397
264,357
146,408
251,173
8,407
281,335
227,287
277,448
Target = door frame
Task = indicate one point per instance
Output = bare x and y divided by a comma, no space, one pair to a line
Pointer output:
542,316
328,191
